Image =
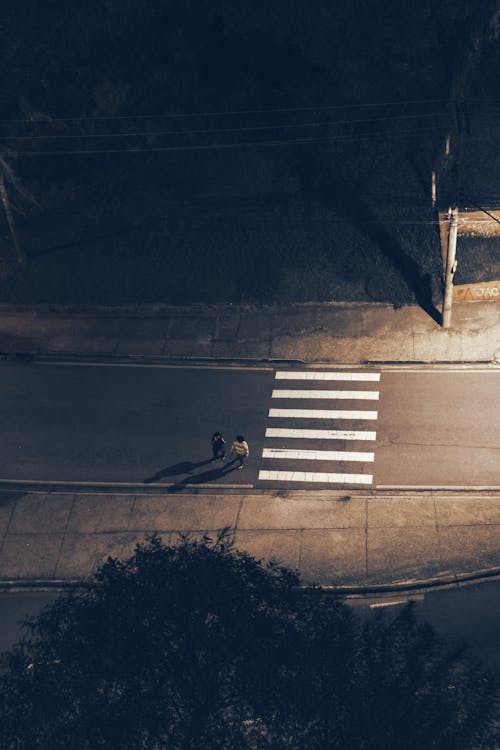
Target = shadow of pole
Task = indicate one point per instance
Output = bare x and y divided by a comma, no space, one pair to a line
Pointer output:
325,189
367,223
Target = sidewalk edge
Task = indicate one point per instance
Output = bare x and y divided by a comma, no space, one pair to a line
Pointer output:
399,587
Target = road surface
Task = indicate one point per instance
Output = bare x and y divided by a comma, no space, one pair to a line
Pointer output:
470,613
348,427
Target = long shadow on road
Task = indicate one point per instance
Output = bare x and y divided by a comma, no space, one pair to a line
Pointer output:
183,467
188,467
205,477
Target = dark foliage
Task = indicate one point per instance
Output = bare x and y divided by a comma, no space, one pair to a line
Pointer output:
198,646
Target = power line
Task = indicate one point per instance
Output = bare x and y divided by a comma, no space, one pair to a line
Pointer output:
195,218
353,222
241,144
49,120
281,126
484,114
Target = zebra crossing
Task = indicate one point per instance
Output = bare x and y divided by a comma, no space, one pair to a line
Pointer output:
312,429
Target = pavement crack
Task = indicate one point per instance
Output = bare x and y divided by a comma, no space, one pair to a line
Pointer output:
63,535
437,533
391,444
299,554
366,537
238,327
7,527
237,519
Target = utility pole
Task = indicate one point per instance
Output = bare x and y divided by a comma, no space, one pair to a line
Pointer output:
451,265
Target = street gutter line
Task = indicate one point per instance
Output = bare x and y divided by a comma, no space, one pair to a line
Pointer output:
437,487
69,483
457,580
151,365
456,370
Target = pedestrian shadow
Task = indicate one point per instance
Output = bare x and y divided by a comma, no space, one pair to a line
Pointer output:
183,467
204,478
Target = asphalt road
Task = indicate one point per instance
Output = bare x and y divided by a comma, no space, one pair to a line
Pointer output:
439,428
113,424
470,613
467,614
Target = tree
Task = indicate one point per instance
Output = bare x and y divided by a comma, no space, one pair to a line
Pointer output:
7,175
200,646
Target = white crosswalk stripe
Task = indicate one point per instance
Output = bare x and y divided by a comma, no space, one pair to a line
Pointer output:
284,432
322,414
330,375
279,454
316,455
315,476
350,395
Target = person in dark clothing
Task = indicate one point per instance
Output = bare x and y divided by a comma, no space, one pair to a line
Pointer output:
218,446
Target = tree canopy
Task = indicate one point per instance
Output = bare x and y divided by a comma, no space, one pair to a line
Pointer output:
201,646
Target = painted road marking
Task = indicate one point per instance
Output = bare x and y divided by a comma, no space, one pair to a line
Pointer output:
320,434
316,455
322,414
306,454
353,395
313,476
313,375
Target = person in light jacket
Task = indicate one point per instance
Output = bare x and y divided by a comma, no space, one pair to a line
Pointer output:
240,449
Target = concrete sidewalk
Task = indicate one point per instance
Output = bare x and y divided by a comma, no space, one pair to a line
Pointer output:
363,540
345,332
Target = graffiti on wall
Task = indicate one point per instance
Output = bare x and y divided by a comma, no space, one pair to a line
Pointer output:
487,291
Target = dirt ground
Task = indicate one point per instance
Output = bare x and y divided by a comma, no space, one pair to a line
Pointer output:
346,223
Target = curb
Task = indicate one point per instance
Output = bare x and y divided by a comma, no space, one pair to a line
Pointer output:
400,587
70,357
200,308
79,357
142,489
